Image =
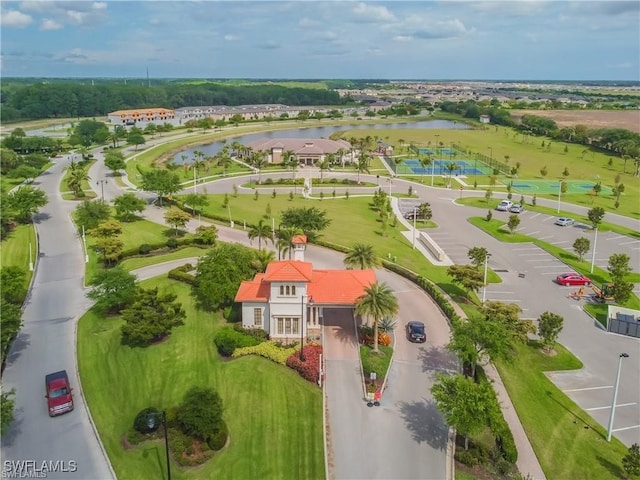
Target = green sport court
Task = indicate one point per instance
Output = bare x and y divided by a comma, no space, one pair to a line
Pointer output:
552,186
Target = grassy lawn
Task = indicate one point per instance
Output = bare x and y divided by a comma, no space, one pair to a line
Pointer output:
274,416
372,362
567,441
138,262
133,235
14,249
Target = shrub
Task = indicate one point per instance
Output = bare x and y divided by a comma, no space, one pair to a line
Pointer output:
134,437
228,339
270,350
172,243
218,440
268,181
466,457
310,368
144,249
333,180
140,422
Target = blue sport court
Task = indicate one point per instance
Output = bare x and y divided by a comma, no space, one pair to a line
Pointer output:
439,167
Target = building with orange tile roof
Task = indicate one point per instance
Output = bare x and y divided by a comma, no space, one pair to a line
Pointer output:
142,116
292,295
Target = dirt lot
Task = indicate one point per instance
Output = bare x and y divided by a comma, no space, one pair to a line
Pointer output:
627,119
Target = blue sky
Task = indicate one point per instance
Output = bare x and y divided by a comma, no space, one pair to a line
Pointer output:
511,40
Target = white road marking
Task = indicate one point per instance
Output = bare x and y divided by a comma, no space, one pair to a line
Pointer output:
532,254
544,238
615,238
587,388
533,233
629,243
535,215
525,249
504,300
493,293
624,428
558,243
608,407
551,266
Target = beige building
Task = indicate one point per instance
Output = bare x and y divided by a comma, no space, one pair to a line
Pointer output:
308,151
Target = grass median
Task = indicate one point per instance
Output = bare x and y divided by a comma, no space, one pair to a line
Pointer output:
14,249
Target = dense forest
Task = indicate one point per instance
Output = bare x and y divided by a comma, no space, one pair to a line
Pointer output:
19,101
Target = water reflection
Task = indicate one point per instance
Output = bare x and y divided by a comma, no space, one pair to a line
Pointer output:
323,131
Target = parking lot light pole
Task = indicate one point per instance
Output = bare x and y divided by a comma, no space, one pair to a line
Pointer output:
559,195
593,254
151,422
415,214
484,288
615,396
101,183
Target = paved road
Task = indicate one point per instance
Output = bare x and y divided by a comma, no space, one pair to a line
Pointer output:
46,344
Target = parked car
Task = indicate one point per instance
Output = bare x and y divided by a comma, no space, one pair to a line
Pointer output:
572,278
416,332
59,397
504,205
516,208
565,221
409,215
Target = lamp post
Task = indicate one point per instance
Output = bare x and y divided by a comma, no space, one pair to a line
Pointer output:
484,288
151,423
559,195
415,214
389,182
31,258
310,303
615,396
101,183
491,157
593,254
195,178
84,244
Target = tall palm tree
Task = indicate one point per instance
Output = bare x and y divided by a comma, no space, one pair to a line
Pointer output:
262,258
77,175
223,160
451,167
324,165
260,231
361,256
259,161
285,239
425,161
377,302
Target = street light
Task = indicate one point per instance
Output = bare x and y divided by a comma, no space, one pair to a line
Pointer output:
559,195
415,214
151,423
484,288
101,183
491,157
593,254
615,395
309,303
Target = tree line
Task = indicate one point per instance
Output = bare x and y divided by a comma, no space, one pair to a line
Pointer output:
68,100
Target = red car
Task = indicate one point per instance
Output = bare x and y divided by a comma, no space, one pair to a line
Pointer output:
568,279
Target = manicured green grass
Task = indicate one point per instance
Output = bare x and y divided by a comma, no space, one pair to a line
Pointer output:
567,441
372,362
138,262
133,235
86,188
464,476
14,249
274,416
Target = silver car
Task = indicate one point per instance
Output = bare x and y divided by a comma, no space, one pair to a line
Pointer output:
564,221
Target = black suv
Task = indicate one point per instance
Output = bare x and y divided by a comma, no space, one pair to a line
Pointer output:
416,332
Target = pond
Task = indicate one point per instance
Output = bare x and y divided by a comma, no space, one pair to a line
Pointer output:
211,149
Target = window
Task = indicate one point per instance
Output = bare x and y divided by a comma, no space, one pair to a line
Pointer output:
257,317
280,325
287,290
287,326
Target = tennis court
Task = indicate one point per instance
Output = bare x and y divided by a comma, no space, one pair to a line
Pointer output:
552,186
412,166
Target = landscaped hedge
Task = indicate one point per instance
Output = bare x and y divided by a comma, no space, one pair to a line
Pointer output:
310,368
180,274
269,350
228,339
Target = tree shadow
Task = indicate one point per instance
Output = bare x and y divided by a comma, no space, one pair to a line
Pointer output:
21,342
615,469
40,217
425,423
438,360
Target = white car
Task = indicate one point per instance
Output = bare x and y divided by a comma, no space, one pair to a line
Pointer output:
516,208
565,221
504,206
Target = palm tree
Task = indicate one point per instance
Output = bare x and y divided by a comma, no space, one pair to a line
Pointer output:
424,163
260,231
77,175
223,160
377,302
324,165
285,239
290,160
361,256
451,167
262,258
363,165
259,161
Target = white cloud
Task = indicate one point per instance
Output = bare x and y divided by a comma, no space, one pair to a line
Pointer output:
15,19
99,5
230,38
370,13
48,24
76,17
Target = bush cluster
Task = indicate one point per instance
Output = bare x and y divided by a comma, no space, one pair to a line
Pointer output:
180,274
228,339
182,449
310,368
270,350
140,422
366,336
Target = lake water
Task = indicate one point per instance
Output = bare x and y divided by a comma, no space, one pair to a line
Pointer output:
317,132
